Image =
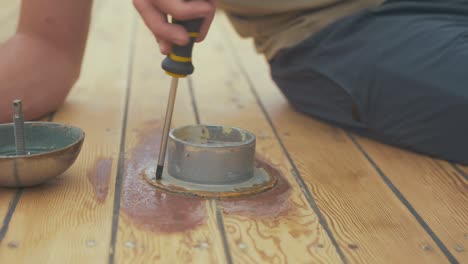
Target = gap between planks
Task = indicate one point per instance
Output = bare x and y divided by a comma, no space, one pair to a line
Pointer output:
219,214
405,201
155,225
121,160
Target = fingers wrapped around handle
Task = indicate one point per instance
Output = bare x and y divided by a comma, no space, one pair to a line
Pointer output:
179,61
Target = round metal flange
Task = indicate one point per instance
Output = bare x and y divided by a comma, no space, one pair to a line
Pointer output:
261,181
212,161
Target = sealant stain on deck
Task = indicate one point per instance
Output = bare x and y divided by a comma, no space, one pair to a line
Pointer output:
147,207
270,204
99,177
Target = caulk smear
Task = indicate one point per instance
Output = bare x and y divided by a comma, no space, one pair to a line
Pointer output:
99,177
147,207
270,204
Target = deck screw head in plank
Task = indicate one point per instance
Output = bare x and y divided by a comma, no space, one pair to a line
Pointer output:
353,246
90,243
130,244
13,244
317,247
202,245
427,247
242,246
18,121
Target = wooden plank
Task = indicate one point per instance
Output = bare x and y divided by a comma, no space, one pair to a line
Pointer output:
367,219
273,227
69,220
9,14
156,226
434,188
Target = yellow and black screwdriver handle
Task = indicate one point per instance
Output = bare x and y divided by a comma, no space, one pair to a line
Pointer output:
179,61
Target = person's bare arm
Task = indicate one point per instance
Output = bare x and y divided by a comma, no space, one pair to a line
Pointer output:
42,61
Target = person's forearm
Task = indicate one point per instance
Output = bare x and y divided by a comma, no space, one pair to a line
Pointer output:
33,71
63,24
40,64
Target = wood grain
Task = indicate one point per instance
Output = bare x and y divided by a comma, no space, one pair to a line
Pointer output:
434,188
367,219
156,226
464,169
275,227
62,221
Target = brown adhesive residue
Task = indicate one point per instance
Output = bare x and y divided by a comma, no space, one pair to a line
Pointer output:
147,207
99,177
270,204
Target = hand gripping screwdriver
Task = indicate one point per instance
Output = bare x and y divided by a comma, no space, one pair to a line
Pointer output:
177,64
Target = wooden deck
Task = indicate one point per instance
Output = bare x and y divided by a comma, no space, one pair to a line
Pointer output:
343,198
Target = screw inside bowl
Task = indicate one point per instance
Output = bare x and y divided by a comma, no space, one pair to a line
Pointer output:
18,120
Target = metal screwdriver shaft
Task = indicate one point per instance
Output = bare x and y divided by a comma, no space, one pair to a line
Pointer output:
167,126
18,121
177,64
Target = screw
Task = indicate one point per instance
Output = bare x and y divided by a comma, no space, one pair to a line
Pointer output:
202,245
18,121
242,246
427,247
130,244
353,246
459,248
13,244
90,243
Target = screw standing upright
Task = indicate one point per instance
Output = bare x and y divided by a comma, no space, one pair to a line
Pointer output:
18,121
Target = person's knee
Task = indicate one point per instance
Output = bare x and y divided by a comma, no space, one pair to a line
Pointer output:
438,131
314,94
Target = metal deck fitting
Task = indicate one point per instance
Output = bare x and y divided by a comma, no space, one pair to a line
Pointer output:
212,161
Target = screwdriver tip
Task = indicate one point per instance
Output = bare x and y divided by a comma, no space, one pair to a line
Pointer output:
159,171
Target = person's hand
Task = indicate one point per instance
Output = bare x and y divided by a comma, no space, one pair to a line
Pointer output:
154,14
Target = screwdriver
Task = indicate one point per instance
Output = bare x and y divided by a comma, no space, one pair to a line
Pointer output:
177,64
